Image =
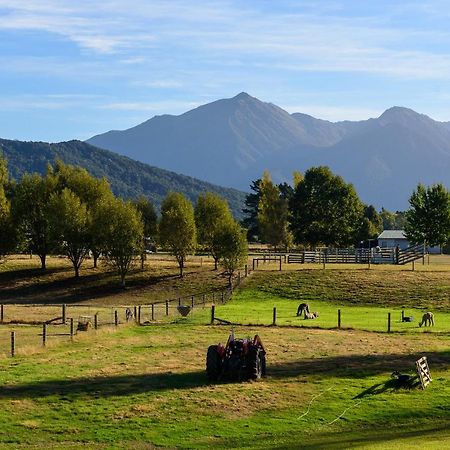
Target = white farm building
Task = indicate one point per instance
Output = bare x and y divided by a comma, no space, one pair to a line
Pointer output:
392,238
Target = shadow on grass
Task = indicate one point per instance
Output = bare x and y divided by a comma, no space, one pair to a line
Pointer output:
391,386
359,366
118,385
351,439
43,289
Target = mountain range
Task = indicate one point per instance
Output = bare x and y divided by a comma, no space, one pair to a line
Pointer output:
128,178
230,142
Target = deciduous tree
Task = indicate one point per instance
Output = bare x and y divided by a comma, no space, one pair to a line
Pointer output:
325,209
70,226
232,241
123,233
150,221
211,213
30,211
177,227
428,218
7,229
273,213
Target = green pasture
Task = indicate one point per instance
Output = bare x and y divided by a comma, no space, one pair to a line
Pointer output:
139,387
253,307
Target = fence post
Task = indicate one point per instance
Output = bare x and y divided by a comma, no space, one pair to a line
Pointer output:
213,309
153,311
339,318
116,318
246,270
222,298
13,343
179,301
403,314
413,266
280,263
167,307
139,314
253,263
44,333
1,313
63,314
389,322
96,321
192,301
274,318
135,314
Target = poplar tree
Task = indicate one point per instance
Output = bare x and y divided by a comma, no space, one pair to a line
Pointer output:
29,207
232,243
211,214
177,227
273,214
70,226
123,232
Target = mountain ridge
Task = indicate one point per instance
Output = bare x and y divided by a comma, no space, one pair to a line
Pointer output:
232,141
128,178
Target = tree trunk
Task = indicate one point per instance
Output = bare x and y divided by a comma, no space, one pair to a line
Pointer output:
215,262
122,280
42,258
77,270
95,256
181,264
142,260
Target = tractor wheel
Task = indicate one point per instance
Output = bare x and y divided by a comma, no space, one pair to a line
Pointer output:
255,363
263,364
213,363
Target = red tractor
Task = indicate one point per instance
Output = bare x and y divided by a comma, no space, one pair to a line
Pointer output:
238,359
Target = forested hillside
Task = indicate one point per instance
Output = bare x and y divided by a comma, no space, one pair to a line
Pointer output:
128,178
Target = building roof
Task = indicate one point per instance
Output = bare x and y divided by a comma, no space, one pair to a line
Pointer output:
392,234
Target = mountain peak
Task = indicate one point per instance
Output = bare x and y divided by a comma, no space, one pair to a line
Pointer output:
242,96
400,114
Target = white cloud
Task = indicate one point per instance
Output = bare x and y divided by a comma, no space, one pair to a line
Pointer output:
310,39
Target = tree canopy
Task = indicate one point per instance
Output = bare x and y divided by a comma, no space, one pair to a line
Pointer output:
273,213
211,214
428,218
325,210
177,227
232,242
123,232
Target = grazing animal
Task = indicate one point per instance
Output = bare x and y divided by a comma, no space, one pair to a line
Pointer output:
129,314
302,308
312,315
407,318
427,319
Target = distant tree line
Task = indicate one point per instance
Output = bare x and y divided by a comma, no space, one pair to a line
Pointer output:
321,209
68,211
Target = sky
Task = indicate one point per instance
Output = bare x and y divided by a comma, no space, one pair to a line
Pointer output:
73,69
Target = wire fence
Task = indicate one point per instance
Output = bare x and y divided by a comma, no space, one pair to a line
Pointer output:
24,328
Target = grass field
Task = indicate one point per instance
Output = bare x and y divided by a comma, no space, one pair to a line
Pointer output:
22,281
145,387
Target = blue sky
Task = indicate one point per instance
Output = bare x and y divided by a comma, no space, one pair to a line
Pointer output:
72,69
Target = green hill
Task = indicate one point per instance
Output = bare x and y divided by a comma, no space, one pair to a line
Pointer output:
128,178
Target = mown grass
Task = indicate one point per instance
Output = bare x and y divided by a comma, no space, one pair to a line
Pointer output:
141,386
381,287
